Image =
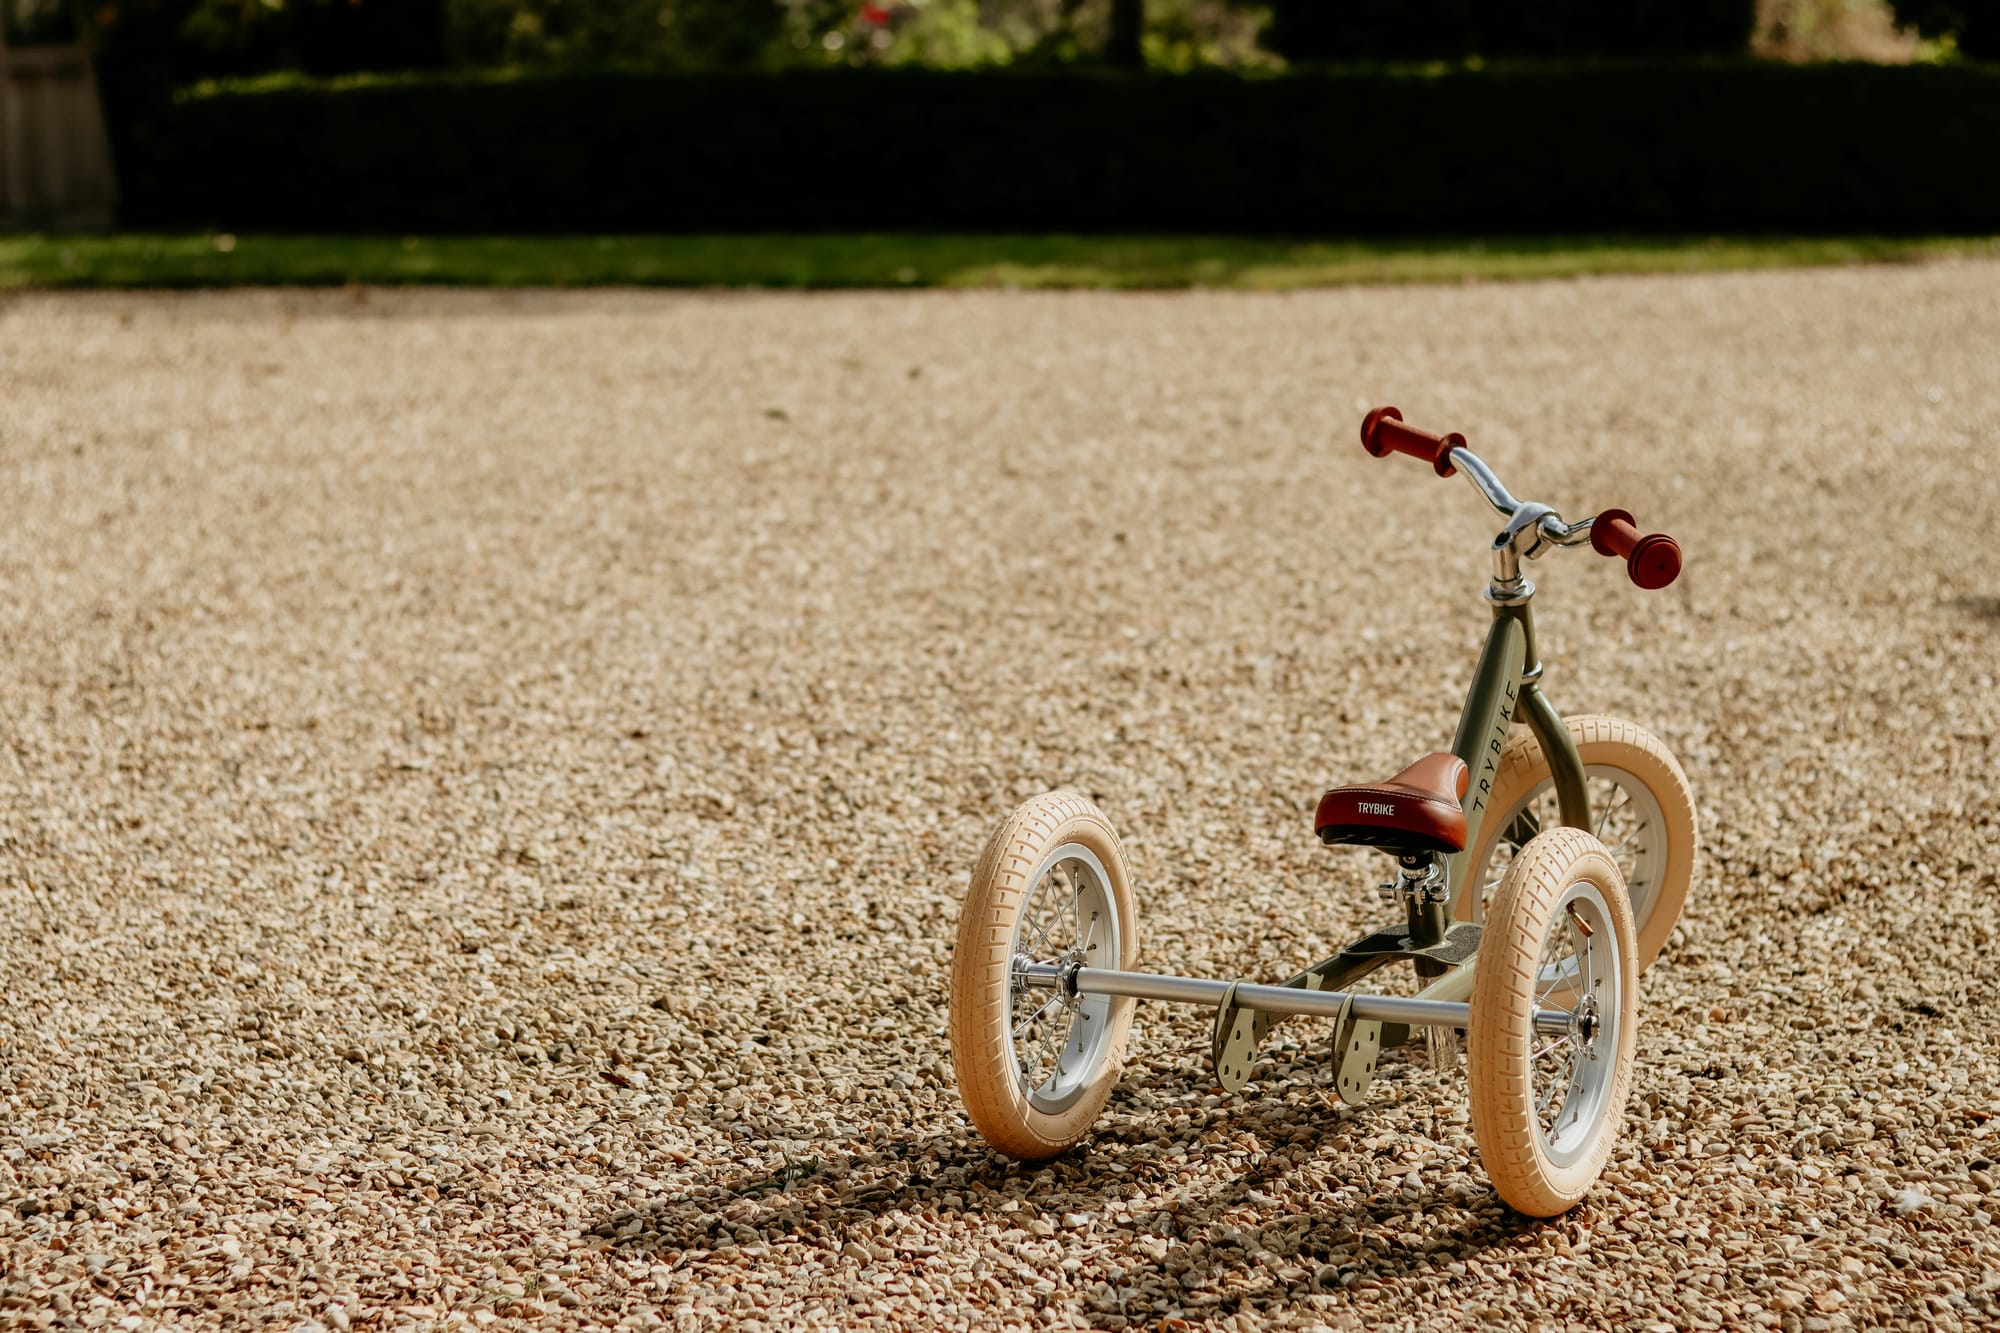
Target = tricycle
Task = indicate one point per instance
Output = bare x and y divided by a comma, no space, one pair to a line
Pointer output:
1540,864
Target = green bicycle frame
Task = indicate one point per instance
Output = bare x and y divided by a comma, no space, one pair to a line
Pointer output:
1505,687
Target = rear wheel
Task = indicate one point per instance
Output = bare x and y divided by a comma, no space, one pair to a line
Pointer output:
1035,1067
1640,808
1546,1105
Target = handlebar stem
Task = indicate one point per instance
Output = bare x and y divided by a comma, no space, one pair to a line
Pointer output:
1521,537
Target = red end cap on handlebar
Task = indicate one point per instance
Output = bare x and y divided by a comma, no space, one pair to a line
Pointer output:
1383,432
1653,561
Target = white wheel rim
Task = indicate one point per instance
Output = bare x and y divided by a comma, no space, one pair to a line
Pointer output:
1058,1041
1623,815
1580,973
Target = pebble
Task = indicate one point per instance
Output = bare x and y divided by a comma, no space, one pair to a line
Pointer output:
1913,1201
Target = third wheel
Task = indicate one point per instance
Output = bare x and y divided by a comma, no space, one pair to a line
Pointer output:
1035,1066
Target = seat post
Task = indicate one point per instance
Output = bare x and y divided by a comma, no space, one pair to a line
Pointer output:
1420,884
1424,910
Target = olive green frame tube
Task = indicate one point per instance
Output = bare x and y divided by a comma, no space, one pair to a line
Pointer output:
1565,765
1482,730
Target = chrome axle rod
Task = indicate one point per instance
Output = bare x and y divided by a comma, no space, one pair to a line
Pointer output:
1265,999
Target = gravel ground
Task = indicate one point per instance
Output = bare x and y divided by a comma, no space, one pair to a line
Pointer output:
488,778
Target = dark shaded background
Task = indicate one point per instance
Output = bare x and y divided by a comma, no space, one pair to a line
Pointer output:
1295,118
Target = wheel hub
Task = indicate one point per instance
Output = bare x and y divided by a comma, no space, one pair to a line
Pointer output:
1065,997
1584,1023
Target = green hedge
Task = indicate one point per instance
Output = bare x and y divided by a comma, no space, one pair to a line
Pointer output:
1736,147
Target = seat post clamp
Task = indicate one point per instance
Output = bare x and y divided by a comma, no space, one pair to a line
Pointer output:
1419,878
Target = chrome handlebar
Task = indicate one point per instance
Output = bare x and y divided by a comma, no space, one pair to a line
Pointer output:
1482,479
1548,524
1532,527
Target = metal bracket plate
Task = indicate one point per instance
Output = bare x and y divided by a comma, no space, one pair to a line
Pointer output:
1357,1044
1460,943
1329,974
1233,1043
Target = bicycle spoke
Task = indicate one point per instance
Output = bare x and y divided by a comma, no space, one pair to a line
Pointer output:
1551,1048
1055,918
1545,979
1523,827
1624,799
1037,1016
1075,897
1546,1100
1554,967
1030,1069
1555,1093
1631,846
1032,912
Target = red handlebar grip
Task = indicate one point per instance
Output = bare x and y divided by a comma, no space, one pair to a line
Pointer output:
1383,432
1653,561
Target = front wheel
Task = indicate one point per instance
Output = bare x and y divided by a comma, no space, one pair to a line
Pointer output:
1640,808
1035,1067
1546,1105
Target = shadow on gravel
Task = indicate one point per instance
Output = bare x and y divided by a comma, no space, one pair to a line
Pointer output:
1985,608
1193,1262
1214,1249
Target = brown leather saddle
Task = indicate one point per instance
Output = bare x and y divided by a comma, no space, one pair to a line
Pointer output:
1416,811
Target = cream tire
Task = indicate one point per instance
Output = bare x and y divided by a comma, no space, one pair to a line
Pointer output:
1640,808
1546,1108
1035,1067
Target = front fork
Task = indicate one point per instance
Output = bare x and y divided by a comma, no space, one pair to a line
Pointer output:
1499,698
1565,764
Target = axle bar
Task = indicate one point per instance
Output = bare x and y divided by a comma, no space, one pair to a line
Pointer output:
1266,999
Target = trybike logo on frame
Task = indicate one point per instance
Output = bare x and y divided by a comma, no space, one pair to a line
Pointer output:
1503,717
